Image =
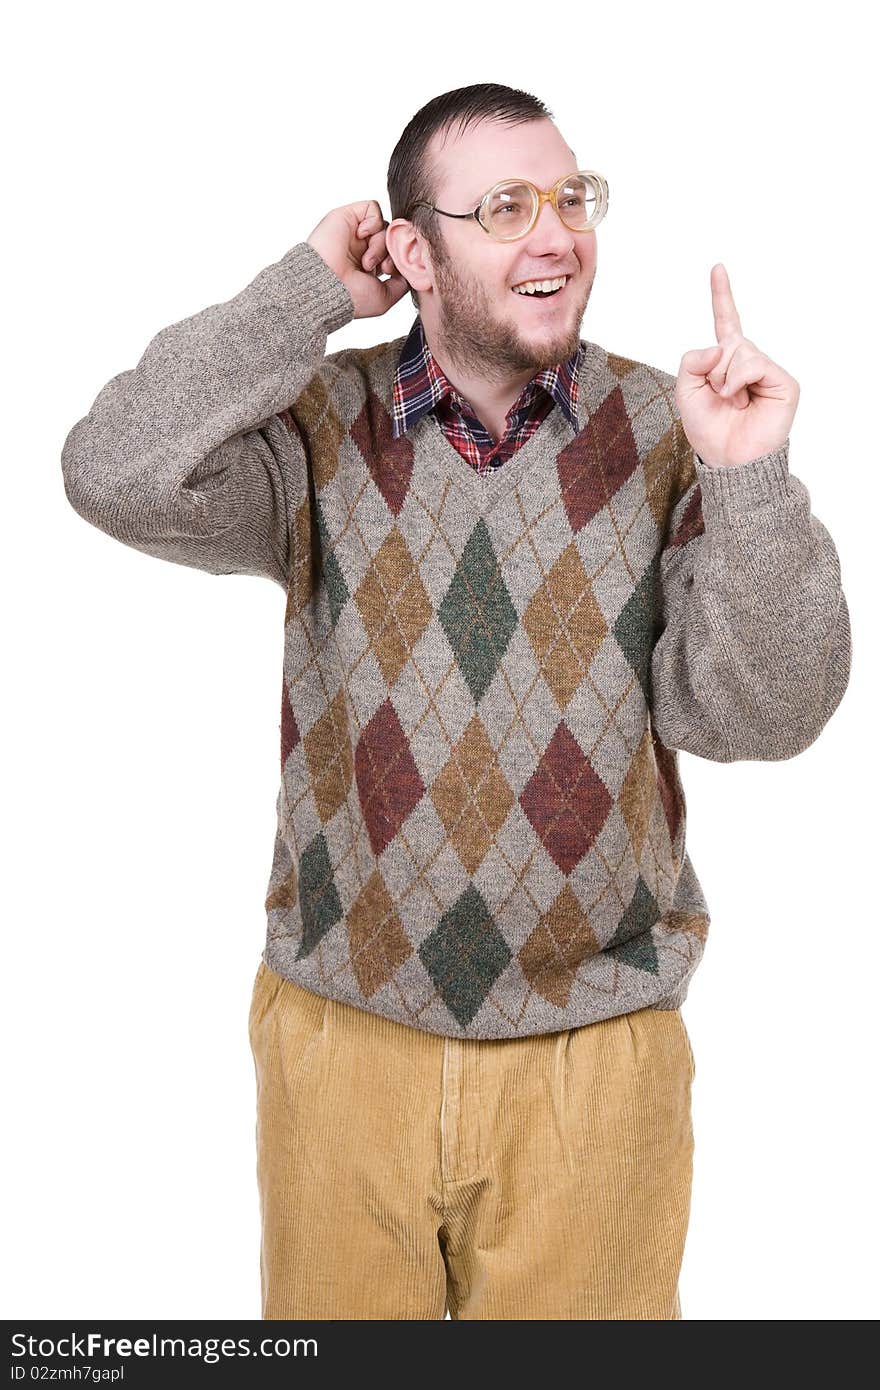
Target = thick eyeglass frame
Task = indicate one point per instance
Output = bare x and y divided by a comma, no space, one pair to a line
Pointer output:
540,196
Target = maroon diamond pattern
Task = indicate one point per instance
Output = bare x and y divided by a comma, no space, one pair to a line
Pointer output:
388,781
669,785
598,461
389,460
565,800
691,523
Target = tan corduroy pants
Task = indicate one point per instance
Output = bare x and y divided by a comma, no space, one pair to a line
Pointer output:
402,1173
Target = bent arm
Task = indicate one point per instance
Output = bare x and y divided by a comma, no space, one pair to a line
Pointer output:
754,650
191,456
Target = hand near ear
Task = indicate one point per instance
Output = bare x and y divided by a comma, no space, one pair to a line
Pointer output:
351,240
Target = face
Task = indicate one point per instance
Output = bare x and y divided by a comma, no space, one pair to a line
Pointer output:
470,306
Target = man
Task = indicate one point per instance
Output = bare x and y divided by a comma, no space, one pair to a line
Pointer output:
521,573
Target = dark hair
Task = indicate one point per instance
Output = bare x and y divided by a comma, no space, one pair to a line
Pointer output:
411,177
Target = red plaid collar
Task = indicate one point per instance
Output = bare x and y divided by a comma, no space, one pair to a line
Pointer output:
421,386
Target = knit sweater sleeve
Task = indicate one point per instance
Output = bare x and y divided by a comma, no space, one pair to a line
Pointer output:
754,646
192,455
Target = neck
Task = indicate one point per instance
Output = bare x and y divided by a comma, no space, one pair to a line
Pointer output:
491,401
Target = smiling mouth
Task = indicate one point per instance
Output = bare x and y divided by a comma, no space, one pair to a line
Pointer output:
542,294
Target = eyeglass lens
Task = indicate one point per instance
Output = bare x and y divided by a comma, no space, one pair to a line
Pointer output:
509,210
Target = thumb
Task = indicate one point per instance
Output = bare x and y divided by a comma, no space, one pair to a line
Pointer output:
394,288
696,364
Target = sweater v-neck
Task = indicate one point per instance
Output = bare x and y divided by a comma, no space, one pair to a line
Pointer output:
435,452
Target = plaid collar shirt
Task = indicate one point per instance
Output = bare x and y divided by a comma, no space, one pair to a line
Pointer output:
420,386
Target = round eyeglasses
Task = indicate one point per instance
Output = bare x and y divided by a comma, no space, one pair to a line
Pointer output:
510,209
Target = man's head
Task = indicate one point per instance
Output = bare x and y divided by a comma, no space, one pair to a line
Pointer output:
462,280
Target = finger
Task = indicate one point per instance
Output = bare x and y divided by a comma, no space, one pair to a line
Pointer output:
718,375
748,371
732,354
371,220
696,365
395,287
376,250
727,324
733,358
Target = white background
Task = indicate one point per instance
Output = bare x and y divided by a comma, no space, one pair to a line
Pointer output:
158,157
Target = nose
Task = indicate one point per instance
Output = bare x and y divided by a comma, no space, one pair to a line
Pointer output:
549,231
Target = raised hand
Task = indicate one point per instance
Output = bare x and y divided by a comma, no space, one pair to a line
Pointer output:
735,403
351,240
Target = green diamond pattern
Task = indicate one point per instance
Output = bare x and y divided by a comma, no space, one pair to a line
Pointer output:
318,899
464,955
634,628
338,592
632,943
477,614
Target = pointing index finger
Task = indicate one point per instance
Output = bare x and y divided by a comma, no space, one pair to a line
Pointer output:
727,324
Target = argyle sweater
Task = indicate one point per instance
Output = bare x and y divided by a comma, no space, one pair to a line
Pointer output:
486,678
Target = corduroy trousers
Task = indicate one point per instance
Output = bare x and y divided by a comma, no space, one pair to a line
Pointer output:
403,1174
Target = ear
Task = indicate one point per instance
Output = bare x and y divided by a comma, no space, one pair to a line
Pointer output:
410,253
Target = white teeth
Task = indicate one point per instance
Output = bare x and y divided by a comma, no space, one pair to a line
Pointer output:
529,286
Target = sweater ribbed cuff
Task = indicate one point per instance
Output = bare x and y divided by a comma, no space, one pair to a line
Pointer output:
314,285
730,493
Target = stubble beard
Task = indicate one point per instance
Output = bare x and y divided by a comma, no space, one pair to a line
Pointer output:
475,341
